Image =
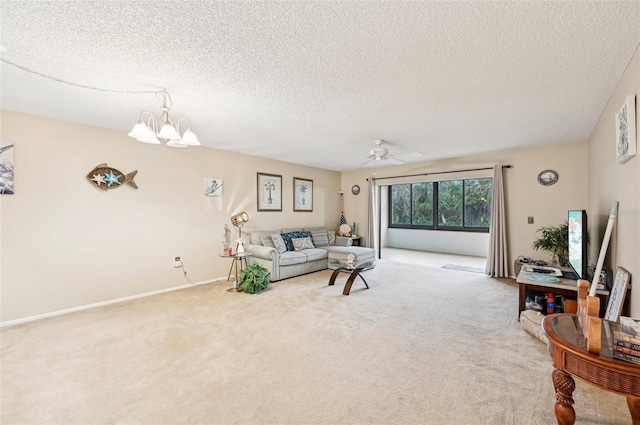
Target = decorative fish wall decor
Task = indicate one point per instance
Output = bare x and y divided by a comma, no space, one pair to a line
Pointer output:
104,178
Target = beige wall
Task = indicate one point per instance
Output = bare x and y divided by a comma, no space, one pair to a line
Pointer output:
66,244
609,182
524,195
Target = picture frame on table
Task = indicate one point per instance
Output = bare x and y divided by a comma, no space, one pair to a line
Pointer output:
302,194
626,131
617,295
269,192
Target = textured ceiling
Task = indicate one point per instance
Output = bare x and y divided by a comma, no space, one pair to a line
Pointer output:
316,83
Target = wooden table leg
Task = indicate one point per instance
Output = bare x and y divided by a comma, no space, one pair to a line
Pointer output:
564,385
332,279
352,277
634,409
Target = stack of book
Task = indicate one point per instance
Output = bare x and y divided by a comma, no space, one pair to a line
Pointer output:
626,340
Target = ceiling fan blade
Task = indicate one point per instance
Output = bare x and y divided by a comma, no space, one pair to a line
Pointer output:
395,161
366,162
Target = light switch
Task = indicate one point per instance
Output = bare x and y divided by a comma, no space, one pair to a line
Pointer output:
530,220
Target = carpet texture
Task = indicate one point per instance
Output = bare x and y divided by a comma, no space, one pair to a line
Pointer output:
424,345
463,268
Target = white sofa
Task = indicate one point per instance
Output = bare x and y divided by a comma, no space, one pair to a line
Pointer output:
326,254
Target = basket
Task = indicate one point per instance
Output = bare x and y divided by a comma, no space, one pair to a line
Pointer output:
531,322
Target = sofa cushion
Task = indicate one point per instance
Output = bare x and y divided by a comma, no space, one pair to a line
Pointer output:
302,243
331,234
256,237
319,235
291,235
267,240
278,242
289,258
315,254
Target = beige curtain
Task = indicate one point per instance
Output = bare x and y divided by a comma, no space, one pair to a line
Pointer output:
497,261
370,234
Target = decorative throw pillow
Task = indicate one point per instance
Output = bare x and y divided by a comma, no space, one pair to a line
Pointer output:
267,240
302,243
332,237
291,235
278,243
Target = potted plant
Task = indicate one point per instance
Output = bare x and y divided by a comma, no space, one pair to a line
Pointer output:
254,278
555,240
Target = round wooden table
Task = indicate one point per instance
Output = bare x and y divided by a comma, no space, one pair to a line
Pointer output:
571,359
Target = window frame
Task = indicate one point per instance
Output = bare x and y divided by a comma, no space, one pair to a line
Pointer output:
435,200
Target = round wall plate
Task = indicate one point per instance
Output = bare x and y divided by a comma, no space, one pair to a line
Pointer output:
547,177
355,189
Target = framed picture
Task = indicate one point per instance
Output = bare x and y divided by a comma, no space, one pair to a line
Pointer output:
616,297
547,177
212,186
302,194
6,167
269,192
626,130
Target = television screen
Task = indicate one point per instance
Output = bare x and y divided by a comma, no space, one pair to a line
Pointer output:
578,242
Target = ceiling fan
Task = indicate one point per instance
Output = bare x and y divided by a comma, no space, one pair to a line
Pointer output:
381,154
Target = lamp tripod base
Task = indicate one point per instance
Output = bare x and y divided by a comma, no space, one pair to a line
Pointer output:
235,288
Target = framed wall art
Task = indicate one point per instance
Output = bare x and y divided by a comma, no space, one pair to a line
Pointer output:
212,186
269,190
6,167
617,295
547,177
626,130
302,194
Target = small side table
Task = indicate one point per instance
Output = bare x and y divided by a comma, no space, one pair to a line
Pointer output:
237,262
355,240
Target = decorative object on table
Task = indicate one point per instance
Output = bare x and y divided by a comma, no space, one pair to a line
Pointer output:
350,259
355,189
603,248
104,178
547,177
212,186
239,246
617,295
626,130
6,168
226,242
302,194
354,229
343,228
269,192
254,278
164,127
626,339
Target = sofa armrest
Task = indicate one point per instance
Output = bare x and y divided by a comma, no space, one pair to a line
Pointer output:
264,252
343,241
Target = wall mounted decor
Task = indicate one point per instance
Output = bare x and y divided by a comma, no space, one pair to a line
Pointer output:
269,190
6,168
355,189
212,186
302,194
104,178
547,177
626,130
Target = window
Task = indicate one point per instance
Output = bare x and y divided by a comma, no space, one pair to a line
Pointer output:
446,205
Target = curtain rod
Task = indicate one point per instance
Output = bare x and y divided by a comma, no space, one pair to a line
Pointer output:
438,172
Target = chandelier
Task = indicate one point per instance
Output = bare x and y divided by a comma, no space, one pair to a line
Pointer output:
163,128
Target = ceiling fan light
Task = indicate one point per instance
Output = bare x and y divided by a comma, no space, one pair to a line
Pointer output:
189,138
168,132
149,137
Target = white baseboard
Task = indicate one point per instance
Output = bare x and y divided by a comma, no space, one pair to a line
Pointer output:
104,303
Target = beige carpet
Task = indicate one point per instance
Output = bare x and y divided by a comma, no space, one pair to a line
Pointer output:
424,345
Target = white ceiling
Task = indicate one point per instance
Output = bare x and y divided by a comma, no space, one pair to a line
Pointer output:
315,83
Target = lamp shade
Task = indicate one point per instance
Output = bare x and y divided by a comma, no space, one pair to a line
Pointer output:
189,138
239,219
148,137
176,144
168,132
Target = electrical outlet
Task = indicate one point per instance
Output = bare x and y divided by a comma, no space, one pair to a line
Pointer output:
177,263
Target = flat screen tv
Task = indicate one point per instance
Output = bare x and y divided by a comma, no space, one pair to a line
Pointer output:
578,250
